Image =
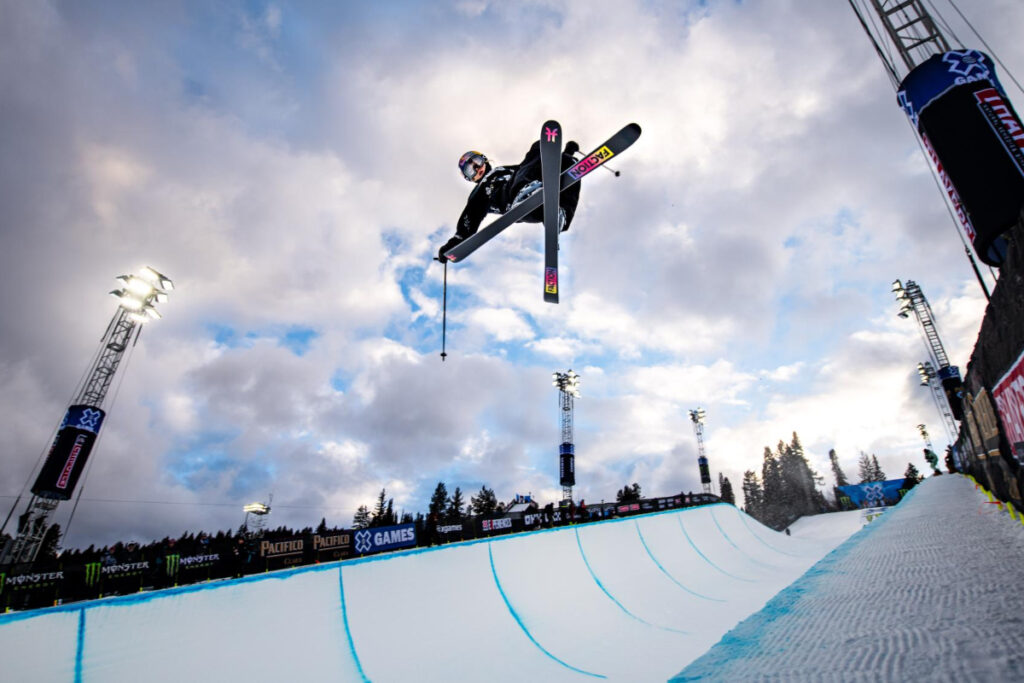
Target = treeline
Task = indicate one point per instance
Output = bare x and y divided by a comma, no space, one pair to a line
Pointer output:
443,508
788,488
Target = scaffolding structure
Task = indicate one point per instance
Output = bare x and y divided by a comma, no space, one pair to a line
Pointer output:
137,298
568,385
697,416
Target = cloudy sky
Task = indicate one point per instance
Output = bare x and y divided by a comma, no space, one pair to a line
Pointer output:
292,166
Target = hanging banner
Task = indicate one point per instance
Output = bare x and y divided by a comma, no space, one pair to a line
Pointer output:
874,493
1009,396
69,451
975,140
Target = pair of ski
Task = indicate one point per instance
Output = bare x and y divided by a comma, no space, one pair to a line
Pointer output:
552,185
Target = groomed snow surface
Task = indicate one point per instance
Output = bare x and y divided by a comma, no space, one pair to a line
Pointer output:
925,592
931,591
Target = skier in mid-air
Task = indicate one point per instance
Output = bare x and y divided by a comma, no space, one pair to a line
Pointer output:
499,189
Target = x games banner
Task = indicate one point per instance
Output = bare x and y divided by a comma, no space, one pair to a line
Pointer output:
975,140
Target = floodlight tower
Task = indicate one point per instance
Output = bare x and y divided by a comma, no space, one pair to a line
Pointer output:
697,416
66,460
911,300
923,431
568,385
930,378
258,513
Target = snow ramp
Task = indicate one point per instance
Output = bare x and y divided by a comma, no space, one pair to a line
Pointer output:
626,599
928,592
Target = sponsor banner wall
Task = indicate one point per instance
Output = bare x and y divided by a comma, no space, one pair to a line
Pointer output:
453,532
874,493
500,525
1009,397
282,552
379,539
332,546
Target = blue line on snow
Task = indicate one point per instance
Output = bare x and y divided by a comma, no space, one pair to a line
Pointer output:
748,638
519,621
80,647
746,555
694,546
348,631
752,533
612,597
665,571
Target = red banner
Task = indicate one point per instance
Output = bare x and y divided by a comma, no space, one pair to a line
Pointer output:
1009,396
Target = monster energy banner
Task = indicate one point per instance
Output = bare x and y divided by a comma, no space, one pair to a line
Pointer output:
34,580
176,563
92,573
874,493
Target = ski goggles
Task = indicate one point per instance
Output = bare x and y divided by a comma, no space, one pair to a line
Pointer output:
472,164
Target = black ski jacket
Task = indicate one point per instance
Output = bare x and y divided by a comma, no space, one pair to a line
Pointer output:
498,189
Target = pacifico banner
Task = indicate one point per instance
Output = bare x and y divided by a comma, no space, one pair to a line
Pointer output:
332,546
1009,396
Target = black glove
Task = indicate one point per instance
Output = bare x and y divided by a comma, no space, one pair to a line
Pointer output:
447,245
571,147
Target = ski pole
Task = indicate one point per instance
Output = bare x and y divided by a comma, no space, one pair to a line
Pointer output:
444,314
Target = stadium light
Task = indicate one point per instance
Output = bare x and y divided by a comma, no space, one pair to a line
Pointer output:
569,382
139,294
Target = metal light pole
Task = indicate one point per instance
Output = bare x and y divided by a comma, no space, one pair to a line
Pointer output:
697,417
930,378
80,428
912,300
568,385
259,512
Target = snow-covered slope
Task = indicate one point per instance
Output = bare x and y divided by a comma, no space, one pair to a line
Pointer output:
928,592
630,599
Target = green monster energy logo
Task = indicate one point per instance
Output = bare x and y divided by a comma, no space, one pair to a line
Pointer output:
173,563
92,573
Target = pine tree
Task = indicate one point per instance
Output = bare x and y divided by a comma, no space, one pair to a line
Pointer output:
803,496
911,477
628,494
455,505
50,543
383,512
322,527
837,471
725,489
438,501
865,470
753,495
774,487
484,503
389,515
879,474
361,520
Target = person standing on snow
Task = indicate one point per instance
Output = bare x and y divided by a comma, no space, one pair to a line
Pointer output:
499,189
